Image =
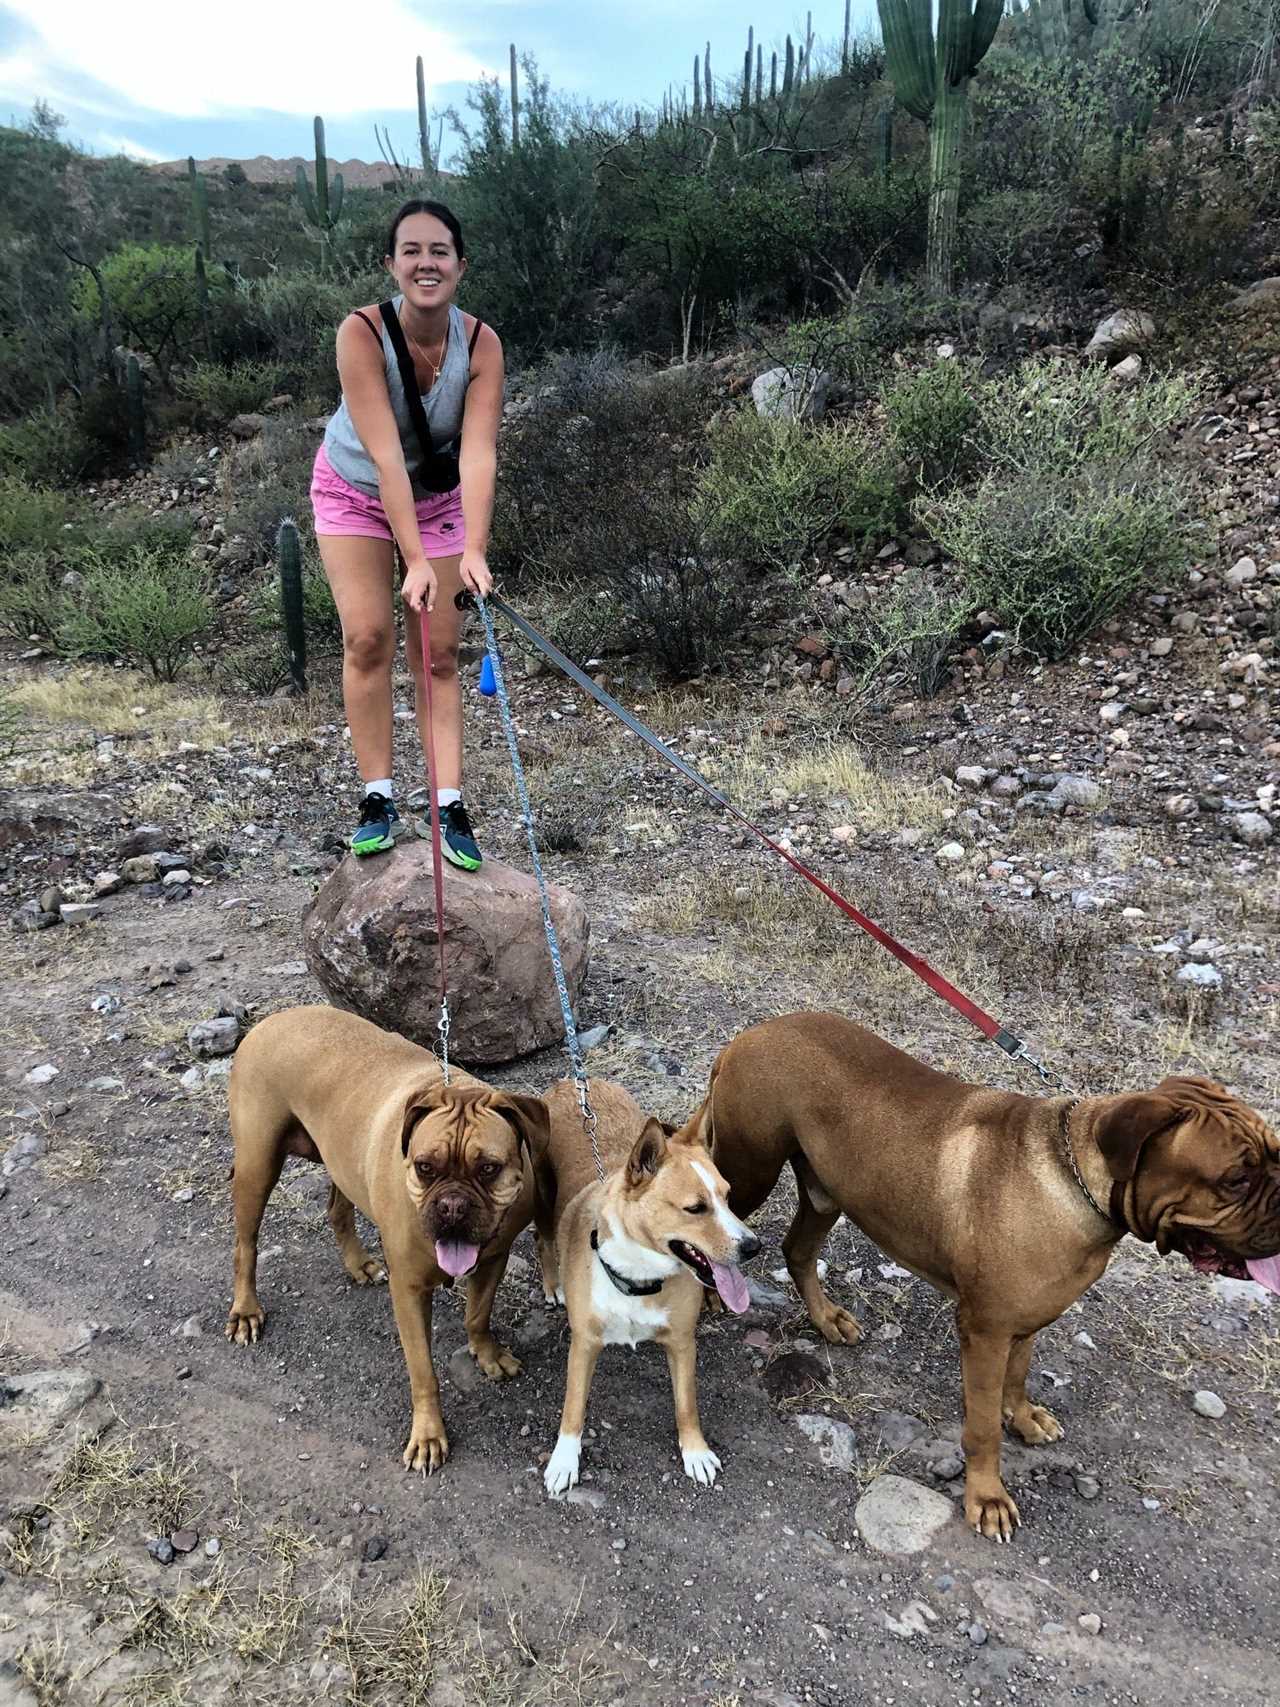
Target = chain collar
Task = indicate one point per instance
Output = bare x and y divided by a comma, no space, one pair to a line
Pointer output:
624,1283
1067,1112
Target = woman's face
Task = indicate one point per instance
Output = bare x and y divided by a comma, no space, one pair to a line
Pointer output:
425,265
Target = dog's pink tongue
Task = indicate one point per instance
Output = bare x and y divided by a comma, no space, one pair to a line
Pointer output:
732,1287
1266,1271
455,1258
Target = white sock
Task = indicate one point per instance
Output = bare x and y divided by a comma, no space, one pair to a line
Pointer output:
447,796
383,786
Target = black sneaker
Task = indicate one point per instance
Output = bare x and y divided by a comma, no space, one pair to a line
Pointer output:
457,842
379,828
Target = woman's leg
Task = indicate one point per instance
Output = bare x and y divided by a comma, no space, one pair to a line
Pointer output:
446,688
359,571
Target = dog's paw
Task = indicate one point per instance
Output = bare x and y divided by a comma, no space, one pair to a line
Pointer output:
496,1361
1036,1426
245,1324
428,1445
701,1465
561,1472
990,1511
368,1271
837,1326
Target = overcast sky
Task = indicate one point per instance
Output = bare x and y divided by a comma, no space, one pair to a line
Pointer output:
160,79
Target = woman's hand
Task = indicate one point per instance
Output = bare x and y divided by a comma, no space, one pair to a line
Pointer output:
419,587
473,571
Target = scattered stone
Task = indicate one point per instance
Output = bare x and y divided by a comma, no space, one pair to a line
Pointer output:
593,1038
1252,829
585,1496
45,1074
1069,790
465,1372
1208,1404
145,839
1241,572
104,1083
192,1079
23,1151
896,1515
210,1037
31,917
375,1548
972,776
1202,977
191,1330
947,1469
950,853
178,875
161,1550
80,912
212,1547
898,1430
1118,333
38,1402
914,1620
50,899
1246,1292
792,1375
184,1540
791,394
836,1442
1090,1623
1127,370
140,869
1088,1487
108,883
978,1632
248,425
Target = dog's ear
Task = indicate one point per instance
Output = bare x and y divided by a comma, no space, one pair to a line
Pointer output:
646,1154
531,1118
420,1102
1127,1123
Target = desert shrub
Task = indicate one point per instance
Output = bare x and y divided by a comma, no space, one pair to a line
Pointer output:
908,634
151,288
775,490
219,392
11,727
30,593
168,534
258,667
1074,513
931,415
270,478
149,608
45,447
32,515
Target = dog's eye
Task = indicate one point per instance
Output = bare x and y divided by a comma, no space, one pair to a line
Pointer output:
696,1209
489,1170
423,1168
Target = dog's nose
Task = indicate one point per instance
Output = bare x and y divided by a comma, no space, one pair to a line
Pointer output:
748,1247
451,1208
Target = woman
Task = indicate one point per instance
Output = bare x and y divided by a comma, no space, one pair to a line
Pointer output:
374,490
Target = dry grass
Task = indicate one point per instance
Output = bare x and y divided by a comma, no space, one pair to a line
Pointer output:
120,702
75,1160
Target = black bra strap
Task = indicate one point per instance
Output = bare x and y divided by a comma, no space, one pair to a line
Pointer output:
475,333
408,379
360,314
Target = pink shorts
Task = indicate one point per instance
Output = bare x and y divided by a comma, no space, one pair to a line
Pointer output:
341,508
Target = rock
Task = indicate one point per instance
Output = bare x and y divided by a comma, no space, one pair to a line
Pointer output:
977,1633
145,839
1243,570
947,1469
210,1037
178,875
1090,1623
1127,370
897,1430
836,1442
248,425
585,1496
370,940
1162,647
950,853
108,883
1120,332
375,1548
23,1151
32,1405
105,1082
31,917
1247,1293
465,1372
1262,293
793,1375
594,1038
1088,1487
444,1692
184,1540
1202,977
1069,790
45,1074
161,1550
1207,1404
896,1515
791,394
192,1079
50,817
140,869
50,899
80,912
191,1330
212,1547
972,776
1252,829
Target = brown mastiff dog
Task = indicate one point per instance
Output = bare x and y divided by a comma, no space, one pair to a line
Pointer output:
1010,1204
444,1171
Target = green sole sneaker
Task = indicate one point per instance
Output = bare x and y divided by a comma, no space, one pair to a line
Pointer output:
373,845
379,828
465,861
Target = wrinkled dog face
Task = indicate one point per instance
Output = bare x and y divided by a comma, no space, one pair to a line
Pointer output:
464,1166
1202,1173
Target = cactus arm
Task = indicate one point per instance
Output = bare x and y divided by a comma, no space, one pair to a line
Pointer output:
307,196
986,21
322,176
906,26
955,31
335,199
424,128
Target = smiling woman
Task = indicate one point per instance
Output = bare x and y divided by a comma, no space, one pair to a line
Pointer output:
408,465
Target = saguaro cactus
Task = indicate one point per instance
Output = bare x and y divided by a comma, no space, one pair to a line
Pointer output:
199,207
708,98
135,410
323,205
515,99
289,562
931,79
747,60
424,126
697,86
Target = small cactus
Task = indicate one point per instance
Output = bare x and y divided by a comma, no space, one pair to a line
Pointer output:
884,140
199,206
747,62
515,100
289,562
323,205
135,410
789,75
424,126
697,86
202,301
708,99
773,77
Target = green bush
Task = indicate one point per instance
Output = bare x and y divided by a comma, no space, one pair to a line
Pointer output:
910,633
219,393
32,515
777,490
168,534
30,593
149,608
1074,513
151,289
258,667
931,415
270,478
45,447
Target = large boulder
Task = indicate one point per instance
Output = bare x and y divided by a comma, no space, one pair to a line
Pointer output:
791,393
370,939
1119,333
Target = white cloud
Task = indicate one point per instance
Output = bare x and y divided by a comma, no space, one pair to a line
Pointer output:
126,145
196,61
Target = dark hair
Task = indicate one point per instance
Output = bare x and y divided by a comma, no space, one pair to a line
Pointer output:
437,210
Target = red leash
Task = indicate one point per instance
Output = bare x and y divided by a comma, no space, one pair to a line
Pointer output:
437,863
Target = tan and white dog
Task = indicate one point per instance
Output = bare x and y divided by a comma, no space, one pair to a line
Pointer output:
629,1256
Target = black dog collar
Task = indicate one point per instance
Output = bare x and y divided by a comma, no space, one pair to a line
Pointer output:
632,1288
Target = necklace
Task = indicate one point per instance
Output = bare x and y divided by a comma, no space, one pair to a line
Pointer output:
1067,1112
434,363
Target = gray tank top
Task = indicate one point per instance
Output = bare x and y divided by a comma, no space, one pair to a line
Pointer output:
443,406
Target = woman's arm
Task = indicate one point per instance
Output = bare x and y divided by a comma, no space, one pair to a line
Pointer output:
363,371
478,459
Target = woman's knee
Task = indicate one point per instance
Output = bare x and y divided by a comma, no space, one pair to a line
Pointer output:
368,648
444,662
